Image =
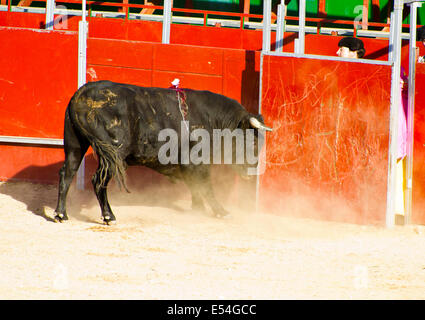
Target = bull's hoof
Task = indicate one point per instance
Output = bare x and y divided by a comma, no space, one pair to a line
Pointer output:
60,217
222,214
219,216
109,220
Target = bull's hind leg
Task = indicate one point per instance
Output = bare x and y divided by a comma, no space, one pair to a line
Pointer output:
75,148
100,182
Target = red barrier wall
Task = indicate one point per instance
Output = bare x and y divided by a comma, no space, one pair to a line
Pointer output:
329,148
36,88
37,79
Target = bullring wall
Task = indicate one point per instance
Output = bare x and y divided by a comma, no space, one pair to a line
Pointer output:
39,75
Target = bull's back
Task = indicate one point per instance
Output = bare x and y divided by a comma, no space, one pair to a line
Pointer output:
128,114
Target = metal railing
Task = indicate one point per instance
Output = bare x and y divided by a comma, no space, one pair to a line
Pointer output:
226,19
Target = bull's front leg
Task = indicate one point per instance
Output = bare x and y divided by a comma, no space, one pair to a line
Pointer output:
208,195
197,201
199,182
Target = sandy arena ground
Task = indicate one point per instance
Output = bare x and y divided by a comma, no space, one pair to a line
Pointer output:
159,252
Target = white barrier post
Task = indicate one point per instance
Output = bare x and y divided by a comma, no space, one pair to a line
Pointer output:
280,28
267,12
82,67
411,110
166,23
50,9
300,43
395,100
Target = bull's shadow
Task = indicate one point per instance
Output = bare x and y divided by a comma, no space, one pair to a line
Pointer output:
37,195
147,188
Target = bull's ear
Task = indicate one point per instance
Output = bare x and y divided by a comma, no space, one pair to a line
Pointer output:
244,123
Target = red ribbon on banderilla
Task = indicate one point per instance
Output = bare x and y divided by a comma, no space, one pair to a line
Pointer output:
181,98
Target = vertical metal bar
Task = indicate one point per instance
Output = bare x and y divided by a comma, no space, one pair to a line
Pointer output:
82,52
82,46
410,112
267,9
391,38
395,100
84,13
365,14
280,28
260,101
50,9
301,28
82,68
166,22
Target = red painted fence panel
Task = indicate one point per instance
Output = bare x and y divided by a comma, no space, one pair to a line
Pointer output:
37,79
329,149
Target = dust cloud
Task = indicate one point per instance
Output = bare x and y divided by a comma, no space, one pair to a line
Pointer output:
161,249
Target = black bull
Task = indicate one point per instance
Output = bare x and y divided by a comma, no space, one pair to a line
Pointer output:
122,122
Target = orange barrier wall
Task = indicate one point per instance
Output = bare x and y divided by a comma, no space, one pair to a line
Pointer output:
329,148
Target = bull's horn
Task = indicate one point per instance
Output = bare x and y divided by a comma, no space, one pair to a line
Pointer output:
257,124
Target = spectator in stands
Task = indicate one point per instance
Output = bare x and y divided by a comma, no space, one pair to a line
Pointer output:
350,47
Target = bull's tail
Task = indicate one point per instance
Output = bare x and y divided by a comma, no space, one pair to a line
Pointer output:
109,161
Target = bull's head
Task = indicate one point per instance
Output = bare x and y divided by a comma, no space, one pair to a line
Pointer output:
246,157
